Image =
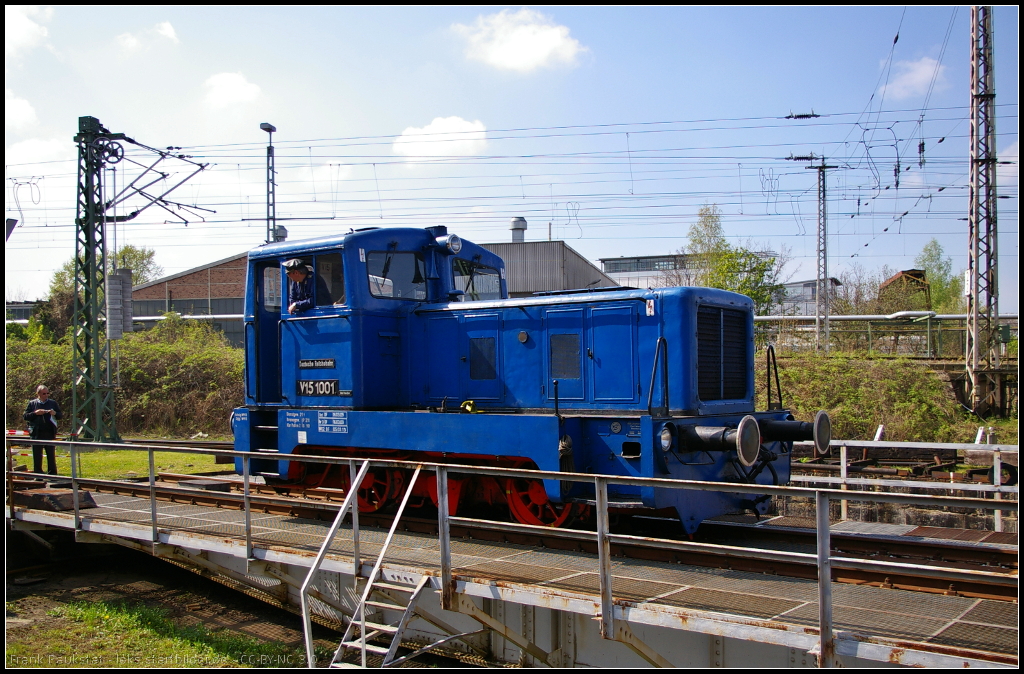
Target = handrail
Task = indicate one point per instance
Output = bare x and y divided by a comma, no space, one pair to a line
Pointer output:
770,362
307,624
664,379
698,485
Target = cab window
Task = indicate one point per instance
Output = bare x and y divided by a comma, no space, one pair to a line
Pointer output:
395,275
331,283
478,281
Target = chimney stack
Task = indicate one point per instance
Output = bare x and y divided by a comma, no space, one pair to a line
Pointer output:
518,230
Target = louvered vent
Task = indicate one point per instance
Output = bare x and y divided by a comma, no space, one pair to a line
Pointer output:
722,365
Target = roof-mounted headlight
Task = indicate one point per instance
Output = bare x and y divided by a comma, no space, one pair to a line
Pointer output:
451,242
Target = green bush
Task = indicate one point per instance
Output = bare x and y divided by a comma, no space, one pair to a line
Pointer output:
179,378
913,402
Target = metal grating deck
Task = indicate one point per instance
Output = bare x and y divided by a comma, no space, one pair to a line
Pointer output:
982,625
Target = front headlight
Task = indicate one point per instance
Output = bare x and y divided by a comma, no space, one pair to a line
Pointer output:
667,438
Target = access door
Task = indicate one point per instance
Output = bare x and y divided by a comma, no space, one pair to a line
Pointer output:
267,327
481,357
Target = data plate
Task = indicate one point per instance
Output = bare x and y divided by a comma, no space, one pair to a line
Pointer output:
317,387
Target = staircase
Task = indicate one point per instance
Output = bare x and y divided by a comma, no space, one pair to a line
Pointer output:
392,596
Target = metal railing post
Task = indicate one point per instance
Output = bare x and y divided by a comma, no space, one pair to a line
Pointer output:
152,493
844,505
74,490
307,625
826,644
357,562
604,558
997,481
444,540
245,505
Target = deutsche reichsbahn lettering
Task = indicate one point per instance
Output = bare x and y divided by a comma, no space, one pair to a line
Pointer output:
316,363
318,387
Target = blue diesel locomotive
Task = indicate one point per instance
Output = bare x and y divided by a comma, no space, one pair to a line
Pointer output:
408,347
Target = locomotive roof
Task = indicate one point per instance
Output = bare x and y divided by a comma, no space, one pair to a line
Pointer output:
369,234
574,297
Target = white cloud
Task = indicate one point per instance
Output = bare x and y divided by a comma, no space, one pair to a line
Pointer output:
443,137
165,29
39,150
21,31
226,90
18,112
913,77
133,42
128,42
520,41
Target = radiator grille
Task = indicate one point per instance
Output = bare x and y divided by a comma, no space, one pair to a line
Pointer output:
722,364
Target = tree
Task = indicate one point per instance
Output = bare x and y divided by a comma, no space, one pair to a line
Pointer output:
946,287
56,313
141,261
712,262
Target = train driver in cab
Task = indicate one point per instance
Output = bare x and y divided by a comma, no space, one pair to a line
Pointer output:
300,286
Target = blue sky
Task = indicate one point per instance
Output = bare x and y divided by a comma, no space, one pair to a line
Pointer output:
613,124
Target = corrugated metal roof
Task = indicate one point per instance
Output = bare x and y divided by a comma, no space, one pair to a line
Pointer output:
539,266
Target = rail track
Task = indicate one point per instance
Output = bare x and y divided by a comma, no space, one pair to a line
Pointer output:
221,491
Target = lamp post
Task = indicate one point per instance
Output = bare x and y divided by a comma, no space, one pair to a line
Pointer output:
271,188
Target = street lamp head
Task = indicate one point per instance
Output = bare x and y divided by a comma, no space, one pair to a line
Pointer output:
269,128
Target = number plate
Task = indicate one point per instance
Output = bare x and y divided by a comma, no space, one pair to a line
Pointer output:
318,387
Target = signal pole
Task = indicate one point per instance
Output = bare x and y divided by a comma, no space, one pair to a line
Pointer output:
271,187
983,376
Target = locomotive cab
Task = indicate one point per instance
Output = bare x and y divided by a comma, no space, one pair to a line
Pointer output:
411,349
346,351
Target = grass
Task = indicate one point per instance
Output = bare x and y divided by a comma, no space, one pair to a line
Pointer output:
118,464
117,634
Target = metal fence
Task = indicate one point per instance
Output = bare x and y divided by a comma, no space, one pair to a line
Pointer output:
916,334
830,643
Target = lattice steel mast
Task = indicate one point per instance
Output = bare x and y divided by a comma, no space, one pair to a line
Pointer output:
983,377
823,292
92,391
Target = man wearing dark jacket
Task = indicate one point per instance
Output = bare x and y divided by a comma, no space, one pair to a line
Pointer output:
300,287
41,415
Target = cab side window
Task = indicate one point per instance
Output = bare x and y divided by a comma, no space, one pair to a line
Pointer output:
330,280
395,275
477,281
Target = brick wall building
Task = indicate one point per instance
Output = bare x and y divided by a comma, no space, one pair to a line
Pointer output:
216,290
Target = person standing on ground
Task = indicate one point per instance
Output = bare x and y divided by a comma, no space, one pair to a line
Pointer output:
42,415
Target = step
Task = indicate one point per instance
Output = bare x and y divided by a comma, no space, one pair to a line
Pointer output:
380,585
379,627
380,604
370,648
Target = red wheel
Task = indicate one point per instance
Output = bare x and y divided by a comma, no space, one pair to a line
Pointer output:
529,504
376,489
